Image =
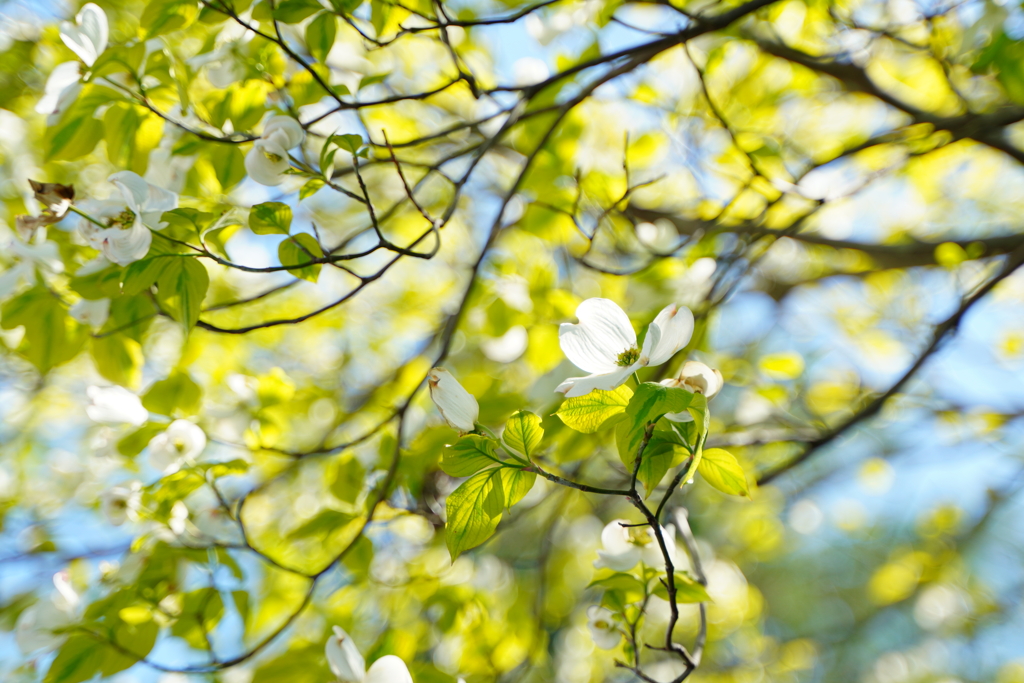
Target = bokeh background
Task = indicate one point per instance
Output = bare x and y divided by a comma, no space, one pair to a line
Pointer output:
832,215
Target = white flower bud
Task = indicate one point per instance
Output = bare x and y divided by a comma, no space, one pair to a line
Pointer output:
344,658
697,378
457,406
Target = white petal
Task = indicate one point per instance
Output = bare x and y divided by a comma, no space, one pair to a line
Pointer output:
388,669
580,386
457,406
706,380
93,313
182,441
111,405
603,333
615,537
620,562
346,663
675,327
126,246
133,188
62,88
286,125
87,39
263,169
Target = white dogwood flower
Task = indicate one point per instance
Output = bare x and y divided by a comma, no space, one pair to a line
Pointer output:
36,626
128,237
348,665
114,405
697,378
602,627
121,503
456,405
31,257
182,441
604,344
624,546
91,312
87,38
267,161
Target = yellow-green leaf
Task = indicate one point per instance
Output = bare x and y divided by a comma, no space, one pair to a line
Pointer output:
720,468
523,433
587,413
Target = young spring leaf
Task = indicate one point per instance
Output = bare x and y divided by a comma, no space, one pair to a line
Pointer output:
269,218
320,35
178,394
648,404
299,250
587,413
523,433
720,468
517,483
687,590
181,288
468,455
474,510
663,452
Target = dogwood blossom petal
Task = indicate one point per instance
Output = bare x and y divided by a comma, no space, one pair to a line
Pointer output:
142,197
87,37
581,386
61,89
388,669
600,337
669,333
113,405
344,658
120,502
91,312
266,162
457,406
124,246
183,440
288,128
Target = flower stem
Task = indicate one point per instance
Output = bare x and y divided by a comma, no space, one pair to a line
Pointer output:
86,216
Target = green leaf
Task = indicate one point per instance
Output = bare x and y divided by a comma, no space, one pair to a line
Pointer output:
165,16
349,142
628,587
135,638
178,394
687,590
134,443
523,433
298,250
228,166
294,11
517,483
346,6
51,336
103,284
587,413
118,358
380,11
320,35
131,315
141,275
720,468
468,455
121,121
322,524
662,453
200,609
181,289
310,188
79,659
474,510
648,405
269,218
348,480
366,81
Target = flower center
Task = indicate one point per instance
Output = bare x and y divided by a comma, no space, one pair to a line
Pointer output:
601,624
179,445
628,357
639,535
273,157
123,220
